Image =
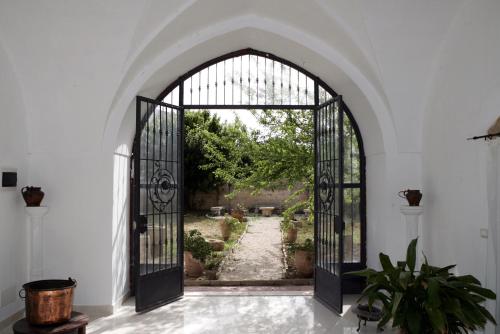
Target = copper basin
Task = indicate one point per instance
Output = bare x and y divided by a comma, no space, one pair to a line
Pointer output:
48,302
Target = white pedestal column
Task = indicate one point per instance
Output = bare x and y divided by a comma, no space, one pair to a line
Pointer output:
412,218
35,244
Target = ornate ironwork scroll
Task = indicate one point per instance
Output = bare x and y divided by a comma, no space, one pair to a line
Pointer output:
162,187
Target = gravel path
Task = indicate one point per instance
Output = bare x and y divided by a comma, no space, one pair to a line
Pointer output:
259,255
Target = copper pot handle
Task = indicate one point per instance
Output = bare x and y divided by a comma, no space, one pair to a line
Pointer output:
73,280
404,193
21,296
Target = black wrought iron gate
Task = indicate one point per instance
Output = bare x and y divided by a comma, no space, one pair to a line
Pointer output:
158,219
328,227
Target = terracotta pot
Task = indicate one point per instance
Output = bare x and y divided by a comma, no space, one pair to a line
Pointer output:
297,223
48,302
211,274
32,195
193,267
304,263
291,235
238,214
412,196
225,230
217,245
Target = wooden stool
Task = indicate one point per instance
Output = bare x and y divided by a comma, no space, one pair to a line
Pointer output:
78,321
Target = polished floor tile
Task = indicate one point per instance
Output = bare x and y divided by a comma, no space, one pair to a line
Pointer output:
233,314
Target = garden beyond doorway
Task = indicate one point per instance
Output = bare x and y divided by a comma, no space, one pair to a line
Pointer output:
256,168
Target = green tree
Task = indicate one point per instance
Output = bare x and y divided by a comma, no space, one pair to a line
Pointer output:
277,156
197,124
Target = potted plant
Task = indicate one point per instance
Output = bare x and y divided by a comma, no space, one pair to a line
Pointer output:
212,265
288,227
238,213
196,250
304,257
431,300
227,224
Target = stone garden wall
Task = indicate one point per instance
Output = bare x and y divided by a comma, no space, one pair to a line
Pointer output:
202,201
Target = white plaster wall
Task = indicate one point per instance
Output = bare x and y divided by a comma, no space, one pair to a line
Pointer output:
465,101
13,156
80,65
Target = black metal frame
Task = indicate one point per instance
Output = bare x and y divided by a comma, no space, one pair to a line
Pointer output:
168,280
351,285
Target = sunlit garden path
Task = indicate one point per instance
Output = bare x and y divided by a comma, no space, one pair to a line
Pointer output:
259,255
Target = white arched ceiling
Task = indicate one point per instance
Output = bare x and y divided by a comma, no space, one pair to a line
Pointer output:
295,45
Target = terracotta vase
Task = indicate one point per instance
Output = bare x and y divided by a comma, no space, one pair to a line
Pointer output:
211,274
32,195
304,263
412,196
193,267
291,235
225,230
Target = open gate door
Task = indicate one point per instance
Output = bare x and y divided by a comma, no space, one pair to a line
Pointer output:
158,218
328,199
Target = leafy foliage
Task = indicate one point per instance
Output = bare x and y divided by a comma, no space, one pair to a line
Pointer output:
198,124
197,245
307,246
431,300
231,221
287,224
214,260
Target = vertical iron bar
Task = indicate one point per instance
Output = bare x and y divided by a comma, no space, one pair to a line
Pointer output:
137,190
324,112
249,83
331,142
147,188
281,93
316,189
341,182
241,80
352,198
274,87
298,87
180,193
232,81
224,82
216,82
257,79
265,80
154,209
191,91
171,202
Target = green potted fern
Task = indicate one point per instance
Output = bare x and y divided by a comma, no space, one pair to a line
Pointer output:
227,225
432,300
196,250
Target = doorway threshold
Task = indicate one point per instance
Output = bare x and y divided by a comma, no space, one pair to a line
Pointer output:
284,290
255,283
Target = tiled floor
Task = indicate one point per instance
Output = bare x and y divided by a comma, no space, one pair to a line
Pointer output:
228,314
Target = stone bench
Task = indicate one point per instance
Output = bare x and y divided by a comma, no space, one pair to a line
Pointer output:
217,210
267,211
